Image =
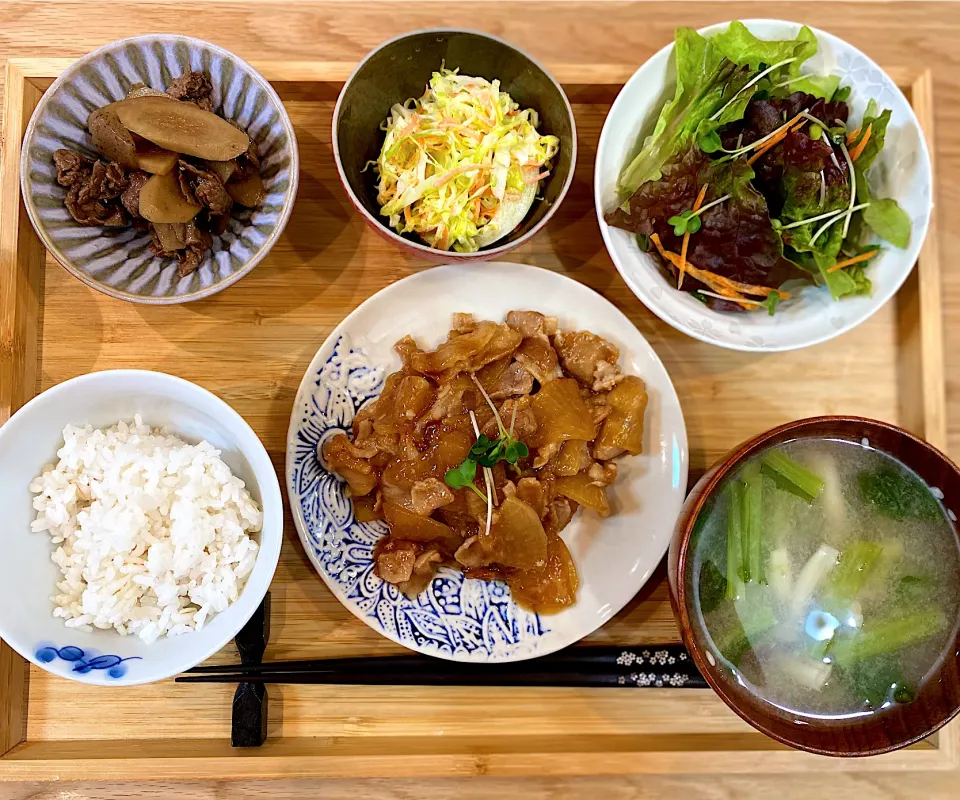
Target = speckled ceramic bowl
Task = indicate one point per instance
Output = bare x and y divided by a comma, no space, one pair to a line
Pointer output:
398,70
119,261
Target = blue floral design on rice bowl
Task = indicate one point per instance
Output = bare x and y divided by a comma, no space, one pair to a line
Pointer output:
84,661
454,618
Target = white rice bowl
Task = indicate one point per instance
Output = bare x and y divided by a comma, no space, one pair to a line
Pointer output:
152,533
207,556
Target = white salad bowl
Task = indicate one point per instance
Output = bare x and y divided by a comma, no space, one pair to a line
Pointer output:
456,618
29,440
902,171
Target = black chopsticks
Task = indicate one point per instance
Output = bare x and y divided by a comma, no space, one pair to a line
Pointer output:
659,666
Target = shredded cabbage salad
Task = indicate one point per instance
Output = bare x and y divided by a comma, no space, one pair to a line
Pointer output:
461,166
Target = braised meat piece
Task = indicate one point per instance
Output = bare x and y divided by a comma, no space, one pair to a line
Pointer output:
93,196
463,323
131,195
396,567
428,495
196,242
194,87
505,379
532,324
478,453
539,359
247,163
204,186
589,358
72,168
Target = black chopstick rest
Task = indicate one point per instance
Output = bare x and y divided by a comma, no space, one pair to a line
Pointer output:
250,701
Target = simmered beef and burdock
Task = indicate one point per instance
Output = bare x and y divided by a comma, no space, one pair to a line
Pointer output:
479,453
171,166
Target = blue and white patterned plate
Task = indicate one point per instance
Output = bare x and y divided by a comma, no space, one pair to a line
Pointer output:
119,262
471,620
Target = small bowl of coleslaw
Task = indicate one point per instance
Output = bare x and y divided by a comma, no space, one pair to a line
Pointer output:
454,144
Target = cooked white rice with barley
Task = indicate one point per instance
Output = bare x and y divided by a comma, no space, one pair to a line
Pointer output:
152,533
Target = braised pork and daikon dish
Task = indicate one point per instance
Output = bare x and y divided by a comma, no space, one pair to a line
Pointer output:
170,166
479,453
827,577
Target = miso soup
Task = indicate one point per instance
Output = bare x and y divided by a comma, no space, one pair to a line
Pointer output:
826,574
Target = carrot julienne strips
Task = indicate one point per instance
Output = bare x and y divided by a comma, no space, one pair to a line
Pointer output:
742,300
715,281
855,153
686,237
775,140
855,260
706,279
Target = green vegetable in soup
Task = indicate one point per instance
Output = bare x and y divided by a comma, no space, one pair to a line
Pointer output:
912,589
780,574
791,475
856,565
734,539
877,680
897,494
818,648
752,519
889,635
754,617
713,587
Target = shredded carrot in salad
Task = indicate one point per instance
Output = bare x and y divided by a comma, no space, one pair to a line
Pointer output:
855,260
681,267
461,159
858,150
730,289
780,135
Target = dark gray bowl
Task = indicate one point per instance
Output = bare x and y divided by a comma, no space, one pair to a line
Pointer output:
400,69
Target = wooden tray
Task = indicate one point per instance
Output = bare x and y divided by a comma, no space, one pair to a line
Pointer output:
251,345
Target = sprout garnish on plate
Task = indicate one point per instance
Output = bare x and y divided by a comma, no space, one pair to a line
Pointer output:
461,166
754,177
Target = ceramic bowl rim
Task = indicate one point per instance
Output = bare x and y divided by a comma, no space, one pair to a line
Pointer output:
682,603
433,253
121,294
270,555
830,332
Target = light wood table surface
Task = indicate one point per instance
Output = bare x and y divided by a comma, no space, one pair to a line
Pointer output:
909,34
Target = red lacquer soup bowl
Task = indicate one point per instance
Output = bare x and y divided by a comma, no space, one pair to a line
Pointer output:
936,699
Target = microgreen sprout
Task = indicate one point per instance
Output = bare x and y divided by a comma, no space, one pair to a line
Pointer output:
487,452
771,302
853,189
684,222
689,221
710,142
746,86
462,477
825,215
